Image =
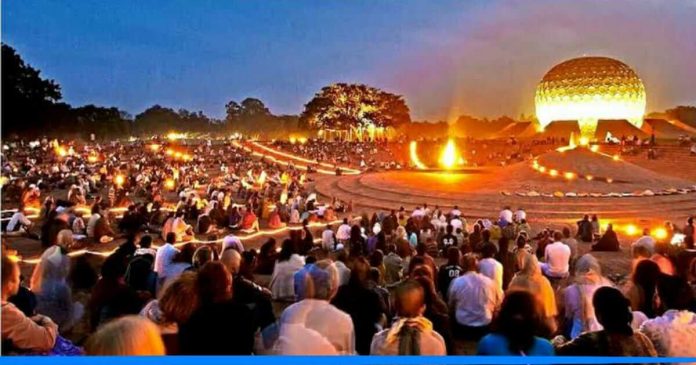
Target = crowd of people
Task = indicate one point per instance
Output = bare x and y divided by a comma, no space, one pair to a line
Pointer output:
371,285
426,281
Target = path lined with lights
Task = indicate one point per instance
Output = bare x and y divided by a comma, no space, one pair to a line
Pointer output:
284,162
260,233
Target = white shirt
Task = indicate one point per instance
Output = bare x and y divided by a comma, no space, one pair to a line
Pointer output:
456,223
327,240
493,270
343,273
163,259
474,297
232,241
506,215
646,241
673,333
318,323
18,217
520,215
91,224
283,278
343,232
456,212
557,256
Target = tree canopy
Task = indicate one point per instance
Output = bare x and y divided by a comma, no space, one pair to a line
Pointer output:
344,106
251,116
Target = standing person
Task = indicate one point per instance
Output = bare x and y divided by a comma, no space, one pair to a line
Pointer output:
557,258
674,331
19,332
411,333
473,298
393,265
616,338
572,243
449,271
516,328
312,326
362,304
507,259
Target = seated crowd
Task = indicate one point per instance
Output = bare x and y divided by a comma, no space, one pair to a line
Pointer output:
371,285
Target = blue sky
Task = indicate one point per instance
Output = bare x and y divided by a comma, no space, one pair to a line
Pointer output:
479,57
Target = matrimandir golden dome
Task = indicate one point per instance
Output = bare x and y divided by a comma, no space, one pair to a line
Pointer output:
588,89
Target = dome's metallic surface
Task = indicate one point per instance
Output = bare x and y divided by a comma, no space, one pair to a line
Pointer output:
588,89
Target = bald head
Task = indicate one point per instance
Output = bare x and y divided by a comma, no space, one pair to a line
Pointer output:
232,260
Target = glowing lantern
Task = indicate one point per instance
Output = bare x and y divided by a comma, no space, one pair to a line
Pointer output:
119,180
553,173
594,148
615,157
169,152
631,230
660,233
584,141
154,147
589,177
169,184
569,175
92,158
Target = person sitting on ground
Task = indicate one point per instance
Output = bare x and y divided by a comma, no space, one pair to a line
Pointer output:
585,232
490,267
282,279
274,221
126,336
449,271
250,222
661,257
674,331
617,338
531,279
642,286
165,257
362,304
19,223
178,301
247,292
516,328
53,293
645,241
19,332
207,332
557,258
312,326
411,333
575,301
608,242
473,298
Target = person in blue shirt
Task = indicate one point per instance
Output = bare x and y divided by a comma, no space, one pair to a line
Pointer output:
515,328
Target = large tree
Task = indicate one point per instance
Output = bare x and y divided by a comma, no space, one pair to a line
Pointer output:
345,106
27,98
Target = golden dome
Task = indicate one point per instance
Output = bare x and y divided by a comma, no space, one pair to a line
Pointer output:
588,89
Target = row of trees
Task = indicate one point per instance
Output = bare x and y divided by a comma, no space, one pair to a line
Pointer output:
32,106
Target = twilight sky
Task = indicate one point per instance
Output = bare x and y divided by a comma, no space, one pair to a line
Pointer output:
447,57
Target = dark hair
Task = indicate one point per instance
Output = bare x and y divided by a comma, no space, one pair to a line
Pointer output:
519,320
286,250
488,250
406,308
486,235
645,276
613,310
675,292
453,256
213,282
360,272
82,274
145,241
171,237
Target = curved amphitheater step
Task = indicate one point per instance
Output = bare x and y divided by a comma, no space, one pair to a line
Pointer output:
351,188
